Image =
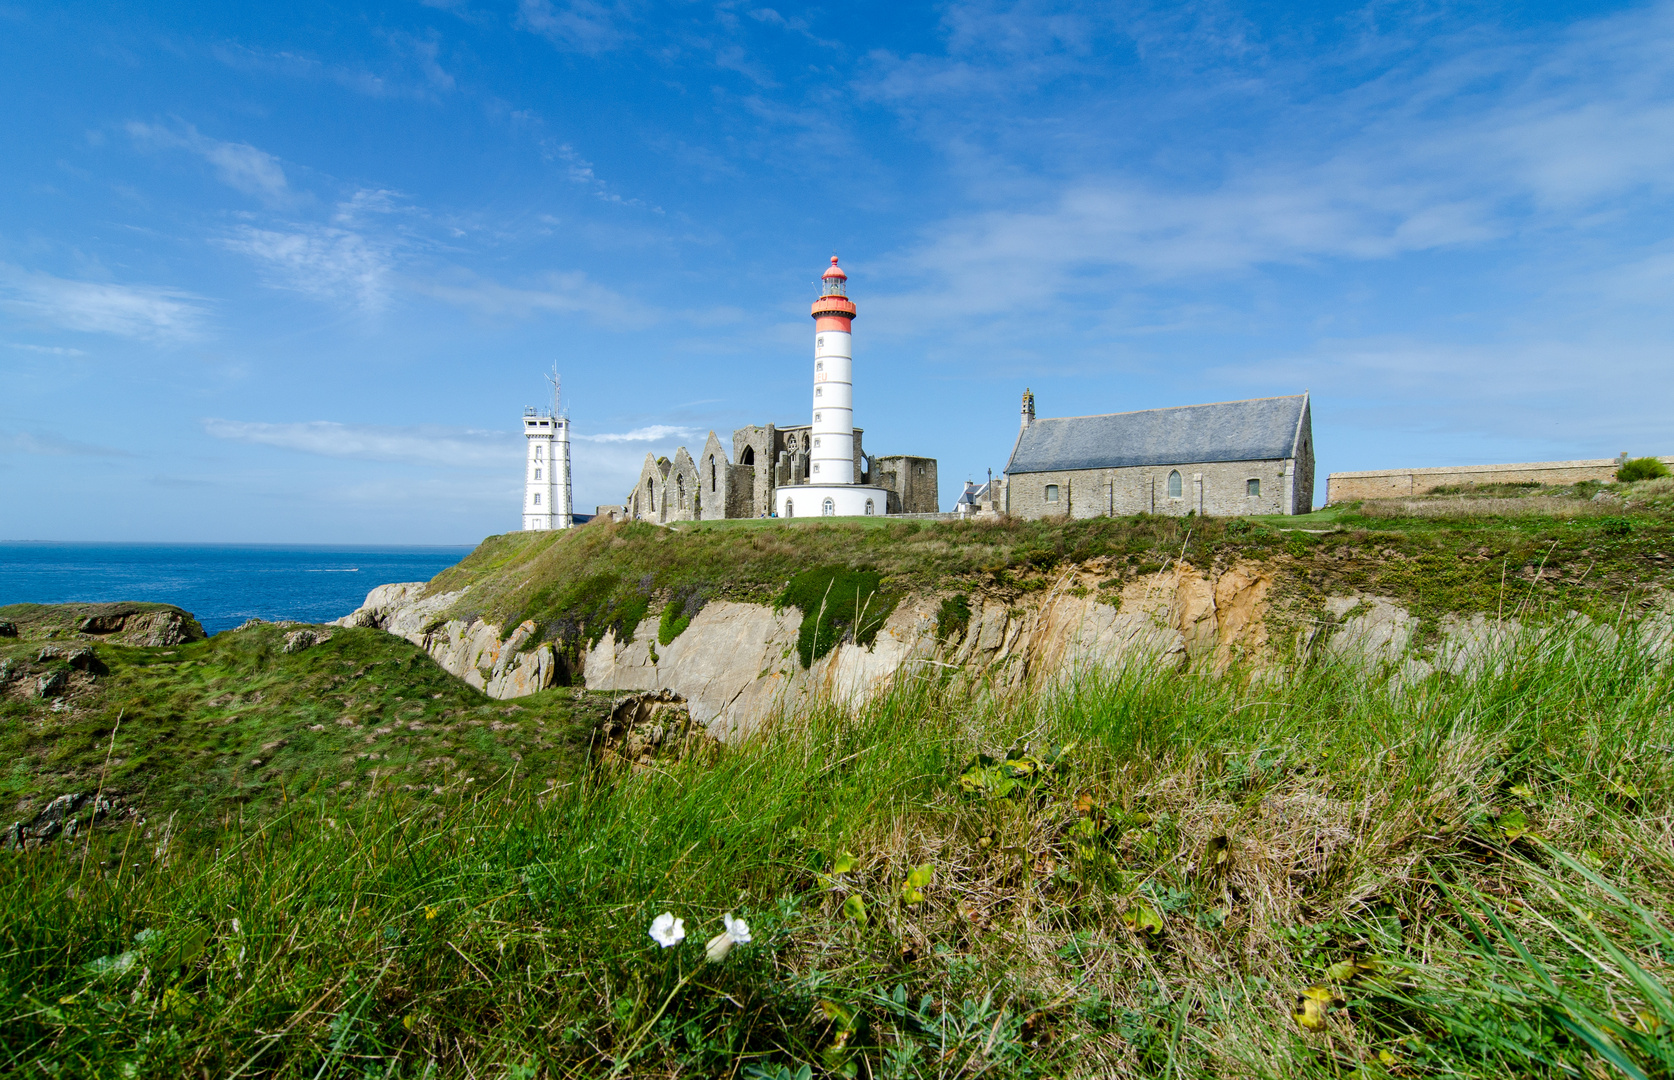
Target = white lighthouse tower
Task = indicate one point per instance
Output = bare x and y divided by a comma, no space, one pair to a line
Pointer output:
546,466
832,489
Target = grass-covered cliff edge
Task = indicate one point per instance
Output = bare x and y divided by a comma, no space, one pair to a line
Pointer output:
1520,548
1141,874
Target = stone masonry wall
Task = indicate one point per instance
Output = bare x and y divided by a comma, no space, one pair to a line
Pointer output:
1396,483
1217,489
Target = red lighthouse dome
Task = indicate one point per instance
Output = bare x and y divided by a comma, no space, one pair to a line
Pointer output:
833,310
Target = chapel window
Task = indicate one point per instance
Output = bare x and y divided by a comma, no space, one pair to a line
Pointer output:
1051,492
749,457
1252,487
680,492
1175,489
712,486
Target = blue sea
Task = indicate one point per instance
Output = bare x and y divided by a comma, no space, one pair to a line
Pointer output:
222,584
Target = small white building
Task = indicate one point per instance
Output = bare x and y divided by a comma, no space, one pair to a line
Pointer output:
546,471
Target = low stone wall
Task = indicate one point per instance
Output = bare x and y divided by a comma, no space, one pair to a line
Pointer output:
1345,487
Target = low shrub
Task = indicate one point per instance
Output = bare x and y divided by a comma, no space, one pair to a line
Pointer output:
1641,468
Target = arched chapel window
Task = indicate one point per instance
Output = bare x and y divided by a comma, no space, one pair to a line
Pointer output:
749,457
680,492
1175,490
712,486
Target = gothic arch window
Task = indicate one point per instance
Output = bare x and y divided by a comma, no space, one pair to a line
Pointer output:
1175,489
749,457
828,508
869,508
712,486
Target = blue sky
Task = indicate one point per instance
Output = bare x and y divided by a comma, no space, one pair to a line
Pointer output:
291,272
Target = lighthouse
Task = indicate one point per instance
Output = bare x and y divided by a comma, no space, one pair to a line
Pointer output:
546,466
832,488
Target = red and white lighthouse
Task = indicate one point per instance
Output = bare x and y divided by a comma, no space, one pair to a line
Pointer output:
831,489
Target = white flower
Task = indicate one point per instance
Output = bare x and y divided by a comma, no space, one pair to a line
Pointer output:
666,930
737,932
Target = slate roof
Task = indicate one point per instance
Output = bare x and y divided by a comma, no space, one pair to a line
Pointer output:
1260,429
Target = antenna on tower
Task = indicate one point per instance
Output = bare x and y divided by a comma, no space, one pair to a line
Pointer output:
557,389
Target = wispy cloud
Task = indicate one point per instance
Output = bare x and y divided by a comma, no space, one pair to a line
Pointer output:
47,444
324,262
578,25
454,448
568,293
134,311
238,165
49,350
653,433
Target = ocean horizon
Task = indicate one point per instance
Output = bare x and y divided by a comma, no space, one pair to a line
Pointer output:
223,585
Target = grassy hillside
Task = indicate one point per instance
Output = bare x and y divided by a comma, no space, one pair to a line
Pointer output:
1518,547
1143,877
339,861
209,728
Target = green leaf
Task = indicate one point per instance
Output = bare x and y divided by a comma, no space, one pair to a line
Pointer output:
1142,919
1522,791
1341,971
1514,823
843,863
855,908
921,875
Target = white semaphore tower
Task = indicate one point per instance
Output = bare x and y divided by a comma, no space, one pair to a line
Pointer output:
832,489
546,466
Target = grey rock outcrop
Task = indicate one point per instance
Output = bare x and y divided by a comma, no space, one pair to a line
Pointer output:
53,683
298,640
8,629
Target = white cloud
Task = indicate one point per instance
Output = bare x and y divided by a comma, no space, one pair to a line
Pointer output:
50,350
654,433
46,444
239,165
327,263
1470,141
133,311
580,25
456,448
559,293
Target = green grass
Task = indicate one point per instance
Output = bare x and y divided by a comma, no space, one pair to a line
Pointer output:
215,727
578,585
1148,904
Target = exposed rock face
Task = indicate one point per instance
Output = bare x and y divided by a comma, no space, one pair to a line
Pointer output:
58,816
471,650
8,629
297,640
52,683
736,664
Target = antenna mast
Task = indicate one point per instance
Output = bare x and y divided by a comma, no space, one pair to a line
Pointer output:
557,389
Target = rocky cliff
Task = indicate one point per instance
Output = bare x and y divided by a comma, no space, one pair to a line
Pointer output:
736,663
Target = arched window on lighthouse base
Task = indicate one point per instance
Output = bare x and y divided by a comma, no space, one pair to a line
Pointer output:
829,508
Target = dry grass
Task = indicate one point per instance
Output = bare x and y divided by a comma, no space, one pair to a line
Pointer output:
1452,506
